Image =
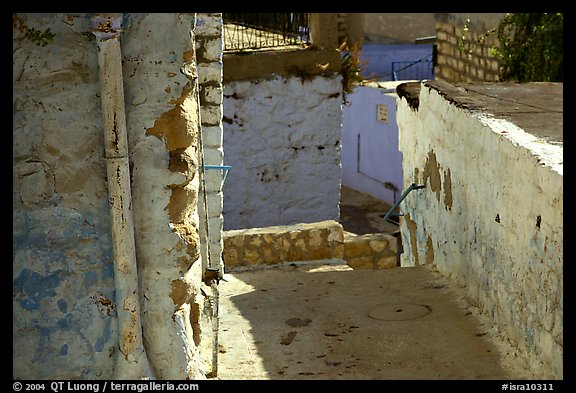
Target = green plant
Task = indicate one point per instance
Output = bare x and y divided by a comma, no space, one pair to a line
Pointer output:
40,38
531,47
466,46
351,67
462,38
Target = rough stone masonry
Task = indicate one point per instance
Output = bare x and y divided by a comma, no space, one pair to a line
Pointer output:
257,247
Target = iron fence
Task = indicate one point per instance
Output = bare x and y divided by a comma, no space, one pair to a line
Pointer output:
412,70
265,30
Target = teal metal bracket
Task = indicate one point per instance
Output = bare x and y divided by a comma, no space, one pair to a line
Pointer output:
225,168
412,186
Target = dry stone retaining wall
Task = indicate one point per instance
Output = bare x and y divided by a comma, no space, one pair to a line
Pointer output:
307,242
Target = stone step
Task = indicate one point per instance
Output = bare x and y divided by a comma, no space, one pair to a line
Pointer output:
308,242
370,251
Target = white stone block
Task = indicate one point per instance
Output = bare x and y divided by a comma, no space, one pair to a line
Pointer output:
213,49
216,249
214,182
213,156
215,204
210,72
213,136
216,225
211,114
208,24
212,94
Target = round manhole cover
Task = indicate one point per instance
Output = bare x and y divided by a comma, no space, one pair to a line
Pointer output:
399,311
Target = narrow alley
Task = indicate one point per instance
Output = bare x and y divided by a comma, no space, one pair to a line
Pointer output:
324,320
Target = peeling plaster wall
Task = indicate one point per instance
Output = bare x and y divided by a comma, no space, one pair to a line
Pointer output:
282,137
490,217
162,116
64,324
64,316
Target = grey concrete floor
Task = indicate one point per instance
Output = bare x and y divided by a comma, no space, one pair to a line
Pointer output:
323,320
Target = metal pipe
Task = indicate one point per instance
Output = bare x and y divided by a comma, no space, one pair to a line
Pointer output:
213,271
131,359
212,278
225,168
412,186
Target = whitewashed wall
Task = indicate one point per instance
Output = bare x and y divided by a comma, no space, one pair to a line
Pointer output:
209,46
282,137
490,217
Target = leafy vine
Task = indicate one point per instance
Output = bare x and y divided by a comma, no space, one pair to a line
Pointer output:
40,38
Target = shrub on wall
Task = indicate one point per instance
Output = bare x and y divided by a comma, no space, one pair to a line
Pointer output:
352,66
531,47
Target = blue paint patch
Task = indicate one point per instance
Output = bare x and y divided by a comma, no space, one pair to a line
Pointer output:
104,338
90,279
44,336
66,323
99,346
63,350
62,305
35,287
28,304
107,269
125,22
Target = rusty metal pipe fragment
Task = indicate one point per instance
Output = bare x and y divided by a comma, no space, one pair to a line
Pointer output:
131,361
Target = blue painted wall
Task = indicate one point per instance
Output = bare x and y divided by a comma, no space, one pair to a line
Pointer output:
378,60
370,154
64,317
63,302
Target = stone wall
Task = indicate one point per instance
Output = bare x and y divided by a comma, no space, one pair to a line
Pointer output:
465,54
209,53
257,247
283,243
282,138
371,251
282,131
490,217
64,300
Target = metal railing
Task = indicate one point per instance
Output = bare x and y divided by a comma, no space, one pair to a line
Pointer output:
265,30
412,186
412,70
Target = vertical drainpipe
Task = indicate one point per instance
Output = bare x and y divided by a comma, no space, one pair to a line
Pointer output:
213,272
131,360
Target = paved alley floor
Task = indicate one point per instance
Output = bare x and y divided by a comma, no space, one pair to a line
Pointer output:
324,320
362,213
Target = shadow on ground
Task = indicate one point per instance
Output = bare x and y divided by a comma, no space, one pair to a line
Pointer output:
363,214
326,321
